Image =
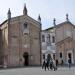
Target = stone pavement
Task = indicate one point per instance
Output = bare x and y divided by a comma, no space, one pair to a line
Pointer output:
38,71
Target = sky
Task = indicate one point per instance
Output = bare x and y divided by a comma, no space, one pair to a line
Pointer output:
48,10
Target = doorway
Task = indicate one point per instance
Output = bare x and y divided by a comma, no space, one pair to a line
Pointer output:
26,58
49,56
70,56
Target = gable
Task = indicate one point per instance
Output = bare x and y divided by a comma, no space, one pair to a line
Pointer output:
64,24
64,31
25,18
67,40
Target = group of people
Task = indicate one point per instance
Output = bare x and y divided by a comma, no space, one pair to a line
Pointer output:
49,64
52,64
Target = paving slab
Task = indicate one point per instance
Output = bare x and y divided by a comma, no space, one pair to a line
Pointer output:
38,71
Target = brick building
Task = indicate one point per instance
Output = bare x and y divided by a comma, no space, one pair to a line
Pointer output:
65,41
64,44
20,40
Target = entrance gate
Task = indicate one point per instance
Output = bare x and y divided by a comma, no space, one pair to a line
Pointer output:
26,58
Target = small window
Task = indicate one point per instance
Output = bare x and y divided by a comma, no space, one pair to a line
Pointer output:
48,38
25,25
53,39
54,56
43,38
60,55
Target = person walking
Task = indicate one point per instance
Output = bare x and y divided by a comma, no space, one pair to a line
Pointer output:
54,65
43,64
56,62
46,64
51,62
69,63
62,62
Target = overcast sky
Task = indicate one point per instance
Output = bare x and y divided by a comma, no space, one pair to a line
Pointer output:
48,9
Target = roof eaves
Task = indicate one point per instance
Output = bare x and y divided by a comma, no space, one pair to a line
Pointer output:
3,22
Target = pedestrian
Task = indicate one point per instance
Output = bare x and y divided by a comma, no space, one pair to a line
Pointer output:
46,64
69,63
62,62
54,65
56,62
51,62
43,65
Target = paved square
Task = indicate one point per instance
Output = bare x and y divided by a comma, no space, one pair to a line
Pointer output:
38,71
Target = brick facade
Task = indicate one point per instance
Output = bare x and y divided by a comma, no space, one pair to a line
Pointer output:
16,40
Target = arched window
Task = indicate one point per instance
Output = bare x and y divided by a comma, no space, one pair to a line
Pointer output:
53,39
25,25
43,38
48,38
60,55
